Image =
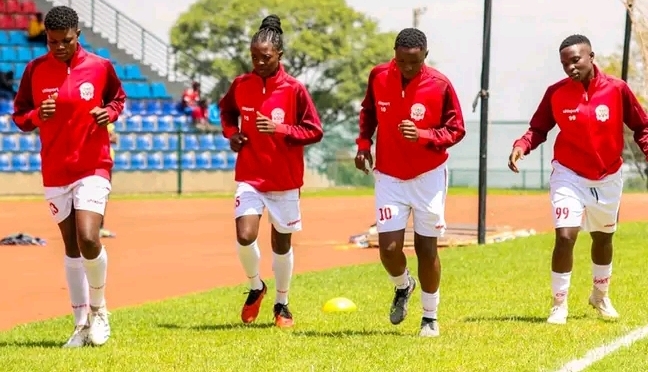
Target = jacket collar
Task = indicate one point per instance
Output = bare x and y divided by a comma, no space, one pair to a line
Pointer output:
77,57
274,80
393,69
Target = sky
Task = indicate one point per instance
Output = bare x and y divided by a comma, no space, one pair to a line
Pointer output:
524,41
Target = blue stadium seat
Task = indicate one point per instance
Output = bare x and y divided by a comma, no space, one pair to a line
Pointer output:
18,37
120,124
134,124
159,90
102,52
5,163
4,38
180,121
24,54
122,162
189,160
165,124
39,51
231,160
19,69
173,142
82,40
10,142
149,123
5,107
34,162
221,143
190,143
206,142
131,90
169,108
153,107
138,161
126,143
137,107
218,160
144,142
5,124
8,54
155,161
160,142
27,142
6,66
144,90
20,162
119,70
203,161
170,160
213,114
133,72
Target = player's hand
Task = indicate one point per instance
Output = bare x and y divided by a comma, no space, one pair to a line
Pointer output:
408,130
361,159
264,124
237,141
516,154
101,116
48,107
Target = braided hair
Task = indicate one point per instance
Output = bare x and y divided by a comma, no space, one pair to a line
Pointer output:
270,32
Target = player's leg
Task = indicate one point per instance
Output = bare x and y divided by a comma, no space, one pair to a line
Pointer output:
427,196
60,205
248,208
285,216
392,213
601,218
567,210
90,197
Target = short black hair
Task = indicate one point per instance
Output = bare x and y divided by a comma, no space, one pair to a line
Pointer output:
270,31
61,18
574,40
411,38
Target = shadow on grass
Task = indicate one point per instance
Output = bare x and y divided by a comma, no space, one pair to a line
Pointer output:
514,318
47,344
348,333
217,327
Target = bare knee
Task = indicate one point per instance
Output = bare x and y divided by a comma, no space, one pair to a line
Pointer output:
247,230
391,242
280,242
89,243
566,238
425,247
601,239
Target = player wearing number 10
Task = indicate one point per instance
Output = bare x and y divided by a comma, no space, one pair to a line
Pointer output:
586,183
418,117
278,118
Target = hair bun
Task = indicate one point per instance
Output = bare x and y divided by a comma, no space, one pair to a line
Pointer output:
272,22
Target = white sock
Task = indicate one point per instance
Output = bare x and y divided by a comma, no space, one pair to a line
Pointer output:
250,257
601,276
282,266
78,289
401,281
560,286
96,271
430,302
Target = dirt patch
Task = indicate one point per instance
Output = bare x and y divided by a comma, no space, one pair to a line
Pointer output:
170,248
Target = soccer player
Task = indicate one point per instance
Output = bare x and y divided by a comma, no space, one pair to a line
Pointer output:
278,119
590,108
418,117
71,95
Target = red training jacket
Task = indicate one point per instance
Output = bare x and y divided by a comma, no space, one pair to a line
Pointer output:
271,162
428,100
73,146
590,141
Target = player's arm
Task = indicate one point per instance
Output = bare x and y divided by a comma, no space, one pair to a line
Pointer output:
634,116
229,112
114,96
368,121
26,114
452,128
308,129
541,123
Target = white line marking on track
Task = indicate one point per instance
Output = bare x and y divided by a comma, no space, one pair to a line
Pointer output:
594,355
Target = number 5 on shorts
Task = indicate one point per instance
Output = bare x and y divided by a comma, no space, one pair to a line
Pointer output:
562,213
237,202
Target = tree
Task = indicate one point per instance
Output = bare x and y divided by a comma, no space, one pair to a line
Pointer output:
329,46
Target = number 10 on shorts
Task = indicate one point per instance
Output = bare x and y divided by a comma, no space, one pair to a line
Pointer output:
384,214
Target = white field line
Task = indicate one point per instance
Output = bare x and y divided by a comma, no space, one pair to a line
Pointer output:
596,354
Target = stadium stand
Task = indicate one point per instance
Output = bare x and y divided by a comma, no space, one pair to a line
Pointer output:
150,129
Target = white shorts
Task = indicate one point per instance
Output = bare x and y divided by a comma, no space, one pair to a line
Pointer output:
423,196
87,194
284,212
579,202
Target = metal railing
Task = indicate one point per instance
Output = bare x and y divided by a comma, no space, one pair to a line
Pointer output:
130,37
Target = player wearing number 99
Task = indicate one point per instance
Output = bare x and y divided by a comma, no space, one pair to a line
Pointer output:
418,117
278,118
586,183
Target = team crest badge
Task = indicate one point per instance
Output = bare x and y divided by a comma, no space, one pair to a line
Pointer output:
602,113
87,91
417,112
278,115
